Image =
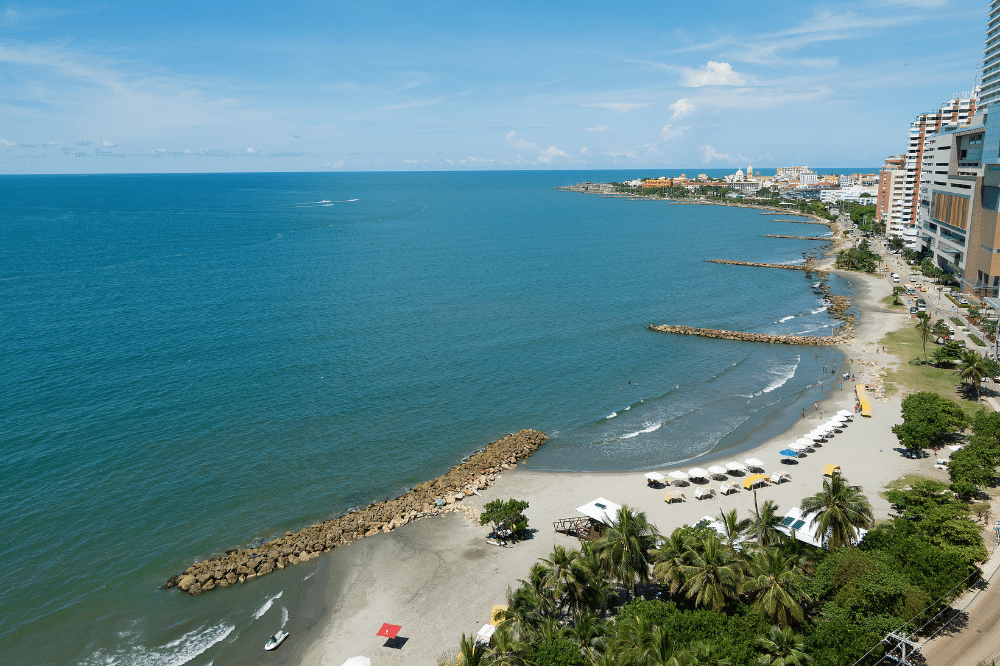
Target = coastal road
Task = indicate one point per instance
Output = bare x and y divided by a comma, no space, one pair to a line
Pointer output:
978,641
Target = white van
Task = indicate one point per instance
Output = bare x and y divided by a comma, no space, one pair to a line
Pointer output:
895,278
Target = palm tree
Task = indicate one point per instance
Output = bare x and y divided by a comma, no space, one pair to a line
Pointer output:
590,632
568,578
776,586
765,528
713,574
503,648
671,558
925,329
783,647
972,368
734,529
701,653
642,642
471,652
625,550
840,509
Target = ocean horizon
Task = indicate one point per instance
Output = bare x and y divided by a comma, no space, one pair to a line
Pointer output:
198,362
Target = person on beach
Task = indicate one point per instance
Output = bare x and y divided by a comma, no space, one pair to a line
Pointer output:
841,386
816,406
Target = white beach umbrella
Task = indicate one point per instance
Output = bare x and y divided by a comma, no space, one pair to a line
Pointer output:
838,419
753,462
736,467
678,475
716,470
698,473
817,432
811,436
802,441
796,446
826,427
655,476
358,661
845,413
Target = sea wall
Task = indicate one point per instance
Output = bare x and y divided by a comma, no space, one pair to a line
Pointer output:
749,337
441,495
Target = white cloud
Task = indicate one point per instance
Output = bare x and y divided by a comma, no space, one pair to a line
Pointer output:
5,142
550,154
669,132
107,144
682,107
710,154
620,107
475,161
251,151
339,166
584,151
714,74
599,128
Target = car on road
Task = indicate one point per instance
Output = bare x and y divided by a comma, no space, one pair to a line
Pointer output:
963,301
913,311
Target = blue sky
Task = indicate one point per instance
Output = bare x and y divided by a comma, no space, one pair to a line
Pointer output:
314,86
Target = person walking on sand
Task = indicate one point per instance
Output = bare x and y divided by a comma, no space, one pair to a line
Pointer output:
841,386
803,412
816,406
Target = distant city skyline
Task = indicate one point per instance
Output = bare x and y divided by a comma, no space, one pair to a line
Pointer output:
250,86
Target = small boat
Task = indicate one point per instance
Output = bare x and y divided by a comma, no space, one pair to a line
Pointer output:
274,641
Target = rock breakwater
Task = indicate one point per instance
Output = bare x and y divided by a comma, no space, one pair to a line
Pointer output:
441,495
808,267
748,337
813,238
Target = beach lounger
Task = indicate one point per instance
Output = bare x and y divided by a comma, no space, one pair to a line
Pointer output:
727,488
681,497
940,467
704,492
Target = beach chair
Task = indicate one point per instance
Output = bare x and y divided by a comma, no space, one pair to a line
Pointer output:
667,497
727,488
777,478
681,497
704,492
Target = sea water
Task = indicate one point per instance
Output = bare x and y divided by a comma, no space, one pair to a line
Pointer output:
193,363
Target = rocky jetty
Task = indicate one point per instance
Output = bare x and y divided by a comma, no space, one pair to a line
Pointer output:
815,221
808,267
815,238
749,337
441,495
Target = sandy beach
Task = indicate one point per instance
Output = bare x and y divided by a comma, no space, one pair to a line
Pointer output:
438,578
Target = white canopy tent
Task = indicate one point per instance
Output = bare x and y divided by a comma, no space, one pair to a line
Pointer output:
601,510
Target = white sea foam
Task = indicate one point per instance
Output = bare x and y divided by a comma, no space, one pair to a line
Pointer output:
781,374
284,617
266,607
628,408
650,427
818,310
784,319
176,652
611,415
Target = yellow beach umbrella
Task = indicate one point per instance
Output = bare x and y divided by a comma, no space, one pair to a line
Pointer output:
494,614
831,469
753,480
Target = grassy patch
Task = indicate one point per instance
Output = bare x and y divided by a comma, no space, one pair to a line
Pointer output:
891,301
957,322
977,340
906,344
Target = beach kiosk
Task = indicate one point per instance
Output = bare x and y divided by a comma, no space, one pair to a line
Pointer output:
596,516
862,393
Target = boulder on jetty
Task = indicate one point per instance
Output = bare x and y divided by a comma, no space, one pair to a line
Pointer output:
809,266
478,472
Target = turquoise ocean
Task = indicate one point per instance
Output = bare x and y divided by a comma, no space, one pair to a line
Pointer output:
192,363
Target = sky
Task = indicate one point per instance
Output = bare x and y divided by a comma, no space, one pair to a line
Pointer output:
217,86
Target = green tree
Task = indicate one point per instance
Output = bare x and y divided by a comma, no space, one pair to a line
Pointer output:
625,551
784,647
471,652
926,418
713,575
840,510
570,579
734,530
506,517
925,328
972,368
764,527
776,587
670,558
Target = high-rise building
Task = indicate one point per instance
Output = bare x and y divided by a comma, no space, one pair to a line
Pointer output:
956,111
889,209
990,82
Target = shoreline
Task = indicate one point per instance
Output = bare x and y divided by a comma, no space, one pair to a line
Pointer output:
438,579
